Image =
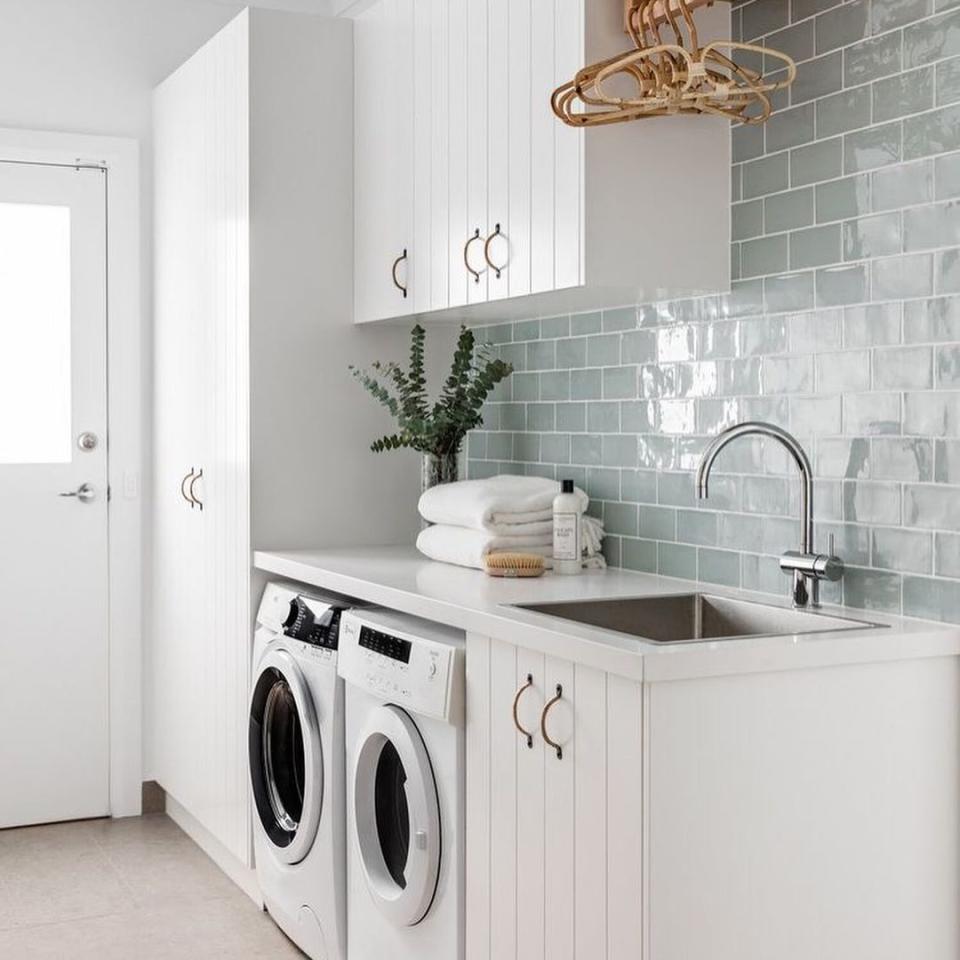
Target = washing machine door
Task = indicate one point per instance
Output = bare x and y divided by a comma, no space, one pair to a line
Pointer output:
397,816
286,756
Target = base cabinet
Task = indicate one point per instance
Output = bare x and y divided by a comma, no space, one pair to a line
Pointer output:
554,804
790,814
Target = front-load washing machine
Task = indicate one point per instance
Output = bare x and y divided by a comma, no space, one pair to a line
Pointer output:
405,787
296,729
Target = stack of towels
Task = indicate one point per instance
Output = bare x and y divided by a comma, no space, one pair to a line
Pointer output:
504,514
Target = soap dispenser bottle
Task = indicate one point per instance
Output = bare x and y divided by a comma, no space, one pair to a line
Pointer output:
566,530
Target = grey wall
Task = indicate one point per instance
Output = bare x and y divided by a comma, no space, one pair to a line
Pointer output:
843,326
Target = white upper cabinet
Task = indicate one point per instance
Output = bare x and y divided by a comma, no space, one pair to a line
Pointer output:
470,192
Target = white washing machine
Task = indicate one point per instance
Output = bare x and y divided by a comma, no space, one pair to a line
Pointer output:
296,729
405,787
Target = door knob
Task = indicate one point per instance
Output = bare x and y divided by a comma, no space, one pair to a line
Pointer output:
84,493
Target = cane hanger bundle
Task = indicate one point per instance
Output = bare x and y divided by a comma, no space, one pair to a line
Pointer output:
668,73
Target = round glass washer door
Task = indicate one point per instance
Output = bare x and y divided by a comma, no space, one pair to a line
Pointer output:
397,816
286,756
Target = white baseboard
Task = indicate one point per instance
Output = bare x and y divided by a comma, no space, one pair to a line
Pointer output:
243,876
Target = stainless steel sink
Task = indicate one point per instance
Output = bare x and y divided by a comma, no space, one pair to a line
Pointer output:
692,617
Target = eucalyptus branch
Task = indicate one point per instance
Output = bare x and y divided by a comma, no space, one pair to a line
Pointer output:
438,429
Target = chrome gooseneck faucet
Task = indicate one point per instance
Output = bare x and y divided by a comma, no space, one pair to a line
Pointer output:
808,568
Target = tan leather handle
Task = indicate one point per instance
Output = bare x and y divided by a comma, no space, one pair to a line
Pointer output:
497,270
183,491
543,722
393,272
193,496
528,736
466,255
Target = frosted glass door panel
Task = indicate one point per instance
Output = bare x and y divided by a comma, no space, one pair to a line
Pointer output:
35,382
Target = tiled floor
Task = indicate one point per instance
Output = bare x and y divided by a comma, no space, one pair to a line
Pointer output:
135,889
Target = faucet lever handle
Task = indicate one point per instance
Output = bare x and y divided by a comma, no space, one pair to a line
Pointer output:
830,546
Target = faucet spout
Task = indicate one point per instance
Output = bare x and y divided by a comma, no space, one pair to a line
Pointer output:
804,565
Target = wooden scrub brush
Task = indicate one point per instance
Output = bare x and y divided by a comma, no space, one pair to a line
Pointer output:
513,565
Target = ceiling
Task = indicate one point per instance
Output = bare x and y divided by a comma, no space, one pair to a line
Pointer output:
297,6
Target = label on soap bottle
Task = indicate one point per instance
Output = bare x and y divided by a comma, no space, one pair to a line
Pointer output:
566,543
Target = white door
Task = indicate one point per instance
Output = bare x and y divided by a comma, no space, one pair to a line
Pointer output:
54,735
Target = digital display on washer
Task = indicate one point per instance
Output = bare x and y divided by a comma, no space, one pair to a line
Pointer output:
385,644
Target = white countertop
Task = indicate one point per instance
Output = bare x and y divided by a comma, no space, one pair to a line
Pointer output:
402,579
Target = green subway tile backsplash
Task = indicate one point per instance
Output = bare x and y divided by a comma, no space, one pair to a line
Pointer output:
842,325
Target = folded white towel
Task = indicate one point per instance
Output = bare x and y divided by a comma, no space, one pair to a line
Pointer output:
467,548
493,504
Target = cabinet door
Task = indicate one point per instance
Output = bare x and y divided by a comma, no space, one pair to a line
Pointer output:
568,152
554,853
498,147
543,131
556,189
179,439
519,112
201,636
385,259
424,108
440,69
477,138
458,156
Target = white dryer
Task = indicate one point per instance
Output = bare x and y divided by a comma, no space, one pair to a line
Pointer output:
405,786
296,728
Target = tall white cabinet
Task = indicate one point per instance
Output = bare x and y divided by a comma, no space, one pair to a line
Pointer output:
470,192
253,338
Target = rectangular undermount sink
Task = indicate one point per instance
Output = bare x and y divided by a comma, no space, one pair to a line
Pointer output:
692,617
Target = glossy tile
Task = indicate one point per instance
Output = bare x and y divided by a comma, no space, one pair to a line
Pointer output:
837,286
876,147
896,278
931,133
896,458
814,247
868,237
846,371
932,599
815,162
871,414
903,368
872,58
877,324
847,110
871,502
902,185
931,40
903,94
932,507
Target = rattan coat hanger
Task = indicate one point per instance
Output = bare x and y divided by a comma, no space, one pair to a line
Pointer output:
672,74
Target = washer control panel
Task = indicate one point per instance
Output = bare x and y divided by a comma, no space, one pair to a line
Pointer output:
313,621
411,663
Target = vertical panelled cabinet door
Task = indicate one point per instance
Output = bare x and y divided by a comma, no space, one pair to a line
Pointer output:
553,808
384,131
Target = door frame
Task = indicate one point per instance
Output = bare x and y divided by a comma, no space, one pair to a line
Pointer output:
120,157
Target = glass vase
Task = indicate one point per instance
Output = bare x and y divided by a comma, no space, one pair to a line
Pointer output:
435,470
